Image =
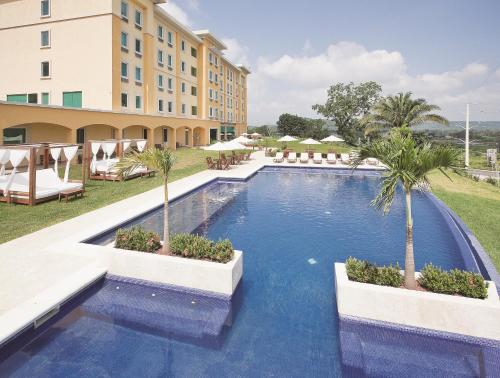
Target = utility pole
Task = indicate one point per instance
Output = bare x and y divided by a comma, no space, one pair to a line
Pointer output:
467,120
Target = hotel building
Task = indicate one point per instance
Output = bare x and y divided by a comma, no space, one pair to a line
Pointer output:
78,70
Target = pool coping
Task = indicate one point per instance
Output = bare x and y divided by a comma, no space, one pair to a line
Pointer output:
71,233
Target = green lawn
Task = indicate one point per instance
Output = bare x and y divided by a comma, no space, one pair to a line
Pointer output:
477,203
18,220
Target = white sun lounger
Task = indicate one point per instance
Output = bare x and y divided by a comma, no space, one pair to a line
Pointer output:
48,184
292,157
304,157
278,158
345,158
372,161
317,158
331,158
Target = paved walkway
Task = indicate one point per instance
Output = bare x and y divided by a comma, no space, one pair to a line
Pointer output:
39,270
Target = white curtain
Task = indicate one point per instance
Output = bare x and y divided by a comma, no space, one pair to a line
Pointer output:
4,159
126,145
141,144
95,149
70,153
16,157
109,148
55,152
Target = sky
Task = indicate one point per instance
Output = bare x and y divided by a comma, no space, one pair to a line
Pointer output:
446,51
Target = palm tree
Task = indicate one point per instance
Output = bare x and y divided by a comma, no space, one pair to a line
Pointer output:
160,160
407,163
401,111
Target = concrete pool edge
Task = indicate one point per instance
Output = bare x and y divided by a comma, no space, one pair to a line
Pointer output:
438,312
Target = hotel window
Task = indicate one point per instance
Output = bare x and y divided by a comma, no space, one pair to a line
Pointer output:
138,47
124,70
221,71
194,91
183,87
45,8
160,106
124,99
170,107
183,66
183,108
124,41
210,112
124,10
216,62
138,102
210,58
183,45
194,52
138,74
160,81
170,39
45,69
170,84
193,71
216,95
170,61
160,32
160,58
194,110
138,19
210,93
45,98
45,39
216,79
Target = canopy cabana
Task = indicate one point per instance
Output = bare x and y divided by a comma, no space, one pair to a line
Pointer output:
35,185
112,151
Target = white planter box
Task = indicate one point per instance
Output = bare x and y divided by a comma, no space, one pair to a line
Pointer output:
449,313
194,274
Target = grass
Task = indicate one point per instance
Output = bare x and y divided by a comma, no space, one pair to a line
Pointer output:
18,220
477,203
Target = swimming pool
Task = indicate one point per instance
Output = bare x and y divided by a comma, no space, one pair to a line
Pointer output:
292,225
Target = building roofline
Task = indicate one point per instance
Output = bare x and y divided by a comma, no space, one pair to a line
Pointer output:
206,34
163,13
239,67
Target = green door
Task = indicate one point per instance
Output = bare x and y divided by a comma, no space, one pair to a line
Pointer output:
72,99
23,98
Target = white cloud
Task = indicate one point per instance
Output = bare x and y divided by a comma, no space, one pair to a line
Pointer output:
177,12
236,52
497,73
294,83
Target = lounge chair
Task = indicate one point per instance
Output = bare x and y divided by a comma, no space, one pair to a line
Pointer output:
225,164
331,158
292,157
304,157
372,161
317,158
211,164
345,159
278,158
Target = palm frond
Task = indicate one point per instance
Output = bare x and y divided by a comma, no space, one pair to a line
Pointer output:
153,158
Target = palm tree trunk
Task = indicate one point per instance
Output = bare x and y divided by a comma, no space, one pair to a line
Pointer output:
410,282
166,230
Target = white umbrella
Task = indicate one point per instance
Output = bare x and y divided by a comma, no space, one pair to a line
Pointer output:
245,134
234,145
332,138
287,138
243,140
309,142
256,135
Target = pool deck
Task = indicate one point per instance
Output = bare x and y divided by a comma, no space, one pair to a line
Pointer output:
42,269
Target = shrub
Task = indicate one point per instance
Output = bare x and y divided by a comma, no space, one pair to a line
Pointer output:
198,247
455,282
492,181
137,239
363,271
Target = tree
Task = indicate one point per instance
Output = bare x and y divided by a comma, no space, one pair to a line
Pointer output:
347,104
301,127
408,164
401,111
160,160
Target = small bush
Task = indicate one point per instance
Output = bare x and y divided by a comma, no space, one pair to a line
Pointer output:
492,181
137,239
455,282
363,271
198,247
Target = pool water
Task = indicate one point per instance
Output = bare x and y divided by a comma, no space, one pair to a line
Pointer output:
292,225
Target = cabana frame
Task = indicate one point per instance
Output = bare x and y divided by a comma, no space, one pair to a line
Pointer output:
33,150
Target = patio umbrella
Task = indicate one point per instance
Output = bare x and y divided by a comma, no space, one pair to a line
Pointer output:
310,142
332,138
225,146
245,134
256,135
287,138
243,140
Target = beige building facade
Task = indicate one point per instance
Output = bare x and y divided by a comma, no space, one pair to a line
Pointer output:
126,65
